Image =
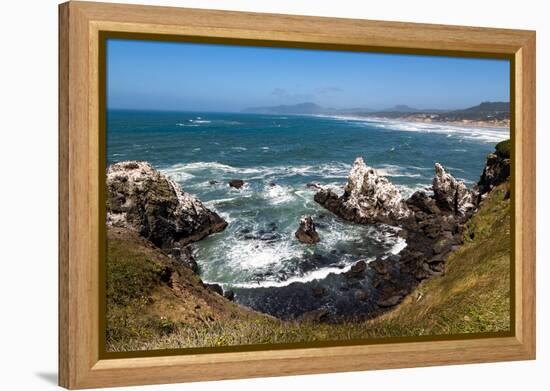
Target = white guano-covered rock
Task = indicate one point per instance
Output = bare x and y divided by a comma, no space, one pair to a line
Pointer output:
451,194
145,200
368,198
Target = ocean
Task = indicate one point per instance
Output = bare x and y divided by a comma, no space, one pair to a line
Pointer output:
277,156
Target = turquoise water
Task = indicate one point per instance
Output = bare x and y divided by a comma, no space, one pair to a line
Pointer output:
277,156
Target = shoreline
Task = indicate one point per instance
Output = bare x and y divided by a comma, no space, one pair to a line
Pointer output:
384,296
470,124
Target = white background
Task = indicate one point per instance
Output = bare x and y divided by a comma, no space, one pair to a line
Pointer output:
28,192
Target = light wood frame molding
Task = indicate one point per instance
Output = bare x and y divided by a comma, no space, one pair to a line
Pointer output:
80,24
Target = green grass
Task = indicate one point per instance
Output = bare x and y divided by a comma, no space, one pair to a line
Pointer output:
474,294
503,148
134,275
144,312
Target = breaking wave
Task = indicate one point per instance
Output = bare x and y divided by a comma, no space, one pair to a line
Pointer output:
469,132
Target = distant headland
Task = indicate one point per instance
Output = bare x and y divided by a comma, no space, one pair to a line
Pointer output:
496,114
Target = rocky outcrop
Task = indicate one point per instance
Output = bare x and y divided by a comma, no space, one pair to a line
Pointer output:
368,198
141,198
433,225
158,295
185,256
450,194
236,183
497,168
306,233
437,226
420,201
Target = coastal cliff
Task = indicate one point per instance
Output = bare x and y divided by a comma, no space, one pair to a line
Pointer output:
153,289
151,298
142,199
452,277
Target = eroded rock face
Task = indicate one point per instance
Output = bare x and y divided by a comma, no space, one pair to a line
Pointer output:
450,194
306,232
420,201
495,172
141,198
368,198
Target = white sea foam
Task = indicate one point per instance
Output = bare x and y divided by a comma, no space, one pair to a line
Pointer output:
335,170
220,201
257,254
399,245
215,166
265,258
327,170
176,175
318,274
391,170
249,258
190,124
278,194
407,191
484,134
478,133
239,148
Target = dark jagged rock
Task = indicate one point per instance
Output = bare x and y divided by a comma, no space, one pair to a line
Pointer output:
306,233
318,291
312,185
380,266
216,288
229,295
420,201
141,198
185,257
450,194
236,183
368,198
357,269
497,168
361,295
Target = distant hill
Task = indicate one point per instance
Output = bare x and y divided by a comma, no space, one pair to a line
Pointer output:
487,107
485,111
304,108
401,109
301,108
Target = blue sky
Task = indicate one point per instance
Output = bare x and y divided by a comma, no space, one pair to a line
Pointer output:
201,77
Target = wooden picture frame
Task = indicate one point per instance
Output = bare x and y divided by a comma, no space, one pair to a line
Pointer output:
81,167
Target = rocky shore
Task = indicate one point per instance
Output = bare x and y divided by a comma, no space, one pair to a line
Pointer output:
141,199
432,223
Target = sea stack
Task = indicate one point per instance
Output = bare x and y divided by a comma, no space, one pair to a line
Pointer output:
144,200
368,198
306,233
